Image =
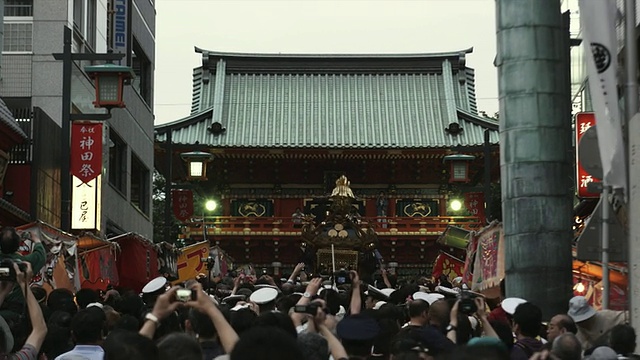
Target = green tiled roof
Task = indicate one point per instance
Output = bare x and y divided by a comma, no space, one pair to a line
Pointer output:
339,101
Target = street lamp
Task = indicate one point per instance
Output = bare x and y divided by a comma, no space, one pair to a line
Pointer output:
68,58
459,171
110,80
210,205
197,164
455,205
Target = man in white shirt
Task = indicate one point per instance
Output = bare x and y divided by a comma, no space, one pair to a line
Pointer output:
87,331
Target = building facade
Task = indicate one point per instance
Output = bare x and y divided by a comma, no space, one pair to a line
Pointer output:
31,86
282,128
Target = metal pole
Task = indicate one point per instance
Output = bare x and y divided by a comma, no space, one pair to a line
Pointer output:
204,226
633,148
605,246
168,219
535,138
488,195
65,171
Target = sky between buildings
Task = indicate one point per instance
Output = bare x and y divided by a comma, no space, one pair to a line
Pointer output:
317,26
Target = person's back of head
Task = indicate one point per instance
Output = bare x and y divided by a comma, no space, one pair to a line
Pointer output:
623,339
567,323
266,343
478,352
126,345
87,326
567,347
61,299
313,346
58,338
242,320
418,308
276,319
85,297
201,324
439,313
179,346
527,318
9,240
127,322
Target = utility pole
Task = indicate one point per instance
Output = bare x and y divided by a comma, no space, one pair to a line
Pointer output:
535,143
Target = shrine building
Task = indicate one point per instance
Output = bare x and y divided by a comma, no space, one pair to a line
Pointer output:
277,131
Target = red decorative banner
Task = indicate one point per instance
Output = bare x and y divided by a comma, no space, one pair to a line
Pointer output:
584,121
182,204
86,150
474,202
447,265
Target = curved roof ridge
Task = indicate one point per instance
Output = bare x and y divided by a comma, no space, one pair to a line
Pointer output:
334,55
185,121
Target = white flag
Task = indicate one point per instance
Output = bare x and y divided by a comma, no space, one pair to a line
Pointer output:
599,33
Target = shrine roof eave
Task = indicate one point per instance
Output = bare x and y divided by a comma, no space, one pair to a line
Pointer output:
196,130
8,120
213,53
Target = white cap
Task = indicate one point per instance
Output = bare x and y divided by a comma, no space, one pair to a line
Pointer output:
264,295
96,304
428,297
154,285
509,305
387,291
378,305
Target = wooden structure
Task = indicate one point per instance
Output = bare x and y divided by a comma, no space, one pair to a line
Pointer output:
283,128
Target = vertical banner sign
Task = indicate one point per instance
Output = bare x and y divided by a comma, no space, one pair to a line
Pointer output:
598,19
86,150
584,121
182,204
474,202
86,204
121,39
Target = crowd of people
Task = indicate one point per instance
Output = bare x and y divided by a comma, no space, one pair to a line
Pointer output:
245,316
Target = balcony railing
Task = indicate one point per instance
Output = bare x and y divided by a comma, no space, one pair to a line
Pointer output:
384,226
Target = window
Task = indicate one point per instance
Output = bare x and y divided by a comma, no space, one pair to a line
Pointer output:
78,15
18,8
142,67
92,24
140,185
85,22
17,37
117,162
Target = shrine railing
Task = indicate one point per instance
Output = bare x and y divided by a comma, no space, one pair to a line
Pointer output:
236,225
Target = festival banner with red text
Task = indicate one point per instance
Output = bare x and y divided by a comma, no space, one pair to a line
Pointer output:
489,262
447,265
182,204
190,263
474,202
584,122
86,150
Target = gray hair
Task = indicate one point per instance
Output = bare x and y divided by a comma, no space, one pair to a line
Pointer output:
567,347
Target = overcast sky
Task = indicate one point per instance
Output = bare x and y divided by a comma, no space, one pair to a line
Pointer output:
318,26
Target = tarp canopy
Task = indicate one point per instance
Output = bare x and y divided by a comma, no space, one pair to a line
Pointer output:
137,260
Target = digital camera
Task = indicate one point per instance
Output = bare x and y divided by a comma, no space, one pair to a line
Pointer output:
342,277
185,295
467,303
311,309
8,272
